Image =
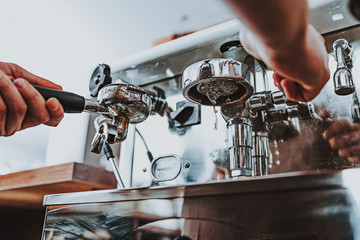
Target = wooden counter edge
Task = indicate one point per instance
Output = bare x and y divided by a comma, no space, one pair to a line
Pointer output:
67,172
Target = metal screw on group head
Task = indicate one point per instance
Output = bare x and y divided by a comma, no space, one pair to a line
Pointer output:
187,165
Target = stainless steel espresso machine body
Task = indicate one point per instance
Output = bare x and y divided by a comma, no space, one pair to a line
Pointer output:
250,123
223,154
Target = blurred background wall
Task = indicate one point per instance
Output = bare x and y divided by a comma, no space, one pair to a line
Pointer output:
64,40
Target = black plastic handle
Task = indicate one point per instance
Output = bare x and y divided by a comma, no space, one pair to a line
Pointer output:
71,102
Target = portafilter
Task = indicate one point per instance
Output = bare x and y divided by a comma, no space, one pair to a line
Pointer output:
120,103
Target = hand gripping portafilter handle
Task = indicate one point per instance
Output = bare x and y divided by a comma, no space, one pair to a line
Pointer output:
71,102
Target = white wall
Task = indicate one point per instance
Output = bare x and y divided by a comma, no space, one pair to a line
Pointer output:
64,40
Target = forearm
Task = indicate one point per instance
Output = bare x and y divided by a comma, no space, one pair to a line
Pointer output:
279,24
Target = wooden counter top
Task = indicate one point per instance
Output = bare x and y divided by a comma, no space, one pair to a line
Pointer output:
27,188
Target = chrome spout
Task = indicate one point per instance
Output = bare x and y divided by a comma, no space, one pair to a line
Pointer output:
240,147
260,153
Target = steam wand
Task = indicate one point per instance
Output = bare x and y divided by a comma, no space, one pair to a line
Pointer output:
111,158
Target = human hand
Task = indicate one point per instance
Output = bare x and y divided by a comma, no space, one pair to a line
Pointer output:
345,137
301,68
21,105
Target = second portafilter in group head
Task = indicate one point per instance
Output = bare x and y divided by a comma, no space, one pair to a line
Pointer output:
224,82
217,81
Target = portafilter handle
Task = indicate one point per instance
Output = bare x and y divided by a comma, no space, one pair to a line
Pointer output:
71,102
74,103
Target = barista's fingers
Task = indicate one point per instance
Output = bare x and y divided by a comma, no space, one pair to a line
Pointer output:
277,79
292,90
56,111
3,110
19,72
15,105
353,159
356,126
324,113
345,140
29,121
351,153
36,111
339,127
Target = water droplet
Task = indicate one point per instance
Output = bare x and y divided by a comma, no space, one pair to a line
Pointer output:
276,153
275,144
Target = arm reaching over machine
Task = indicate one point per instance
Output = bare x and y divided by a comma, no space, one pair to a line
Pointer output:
345,137
286,43
21,105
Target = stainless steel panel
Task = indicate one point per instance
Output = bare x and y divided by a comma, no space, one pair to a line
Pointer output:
275,182
321,205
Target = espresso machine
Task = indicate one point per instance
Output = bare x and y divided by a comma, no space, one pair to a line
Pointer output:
211,149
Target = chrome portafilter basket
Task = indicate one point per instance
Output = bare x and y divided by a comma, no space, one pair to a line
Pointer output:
215,82
125,100
126,104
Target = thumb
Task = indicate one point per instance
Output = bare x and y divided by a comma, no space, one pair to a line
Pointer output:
33,79
292,90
